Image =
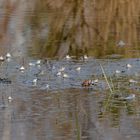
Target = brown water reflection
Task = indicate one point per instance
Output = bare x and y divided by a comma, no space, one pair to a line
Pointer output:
72,114
93,27
56,28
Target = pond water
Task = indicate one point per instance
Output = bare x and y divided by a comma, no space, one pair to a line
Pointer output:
41,92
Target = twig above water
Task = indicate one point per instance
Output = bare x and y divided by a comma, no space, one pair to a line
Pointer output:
106,79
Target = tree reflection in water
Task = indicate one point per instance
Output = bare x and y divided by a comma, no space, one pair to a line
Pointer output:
76,27
93,27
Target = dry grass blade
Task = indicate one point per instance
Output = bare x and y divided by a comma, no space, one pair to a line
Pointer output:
107,81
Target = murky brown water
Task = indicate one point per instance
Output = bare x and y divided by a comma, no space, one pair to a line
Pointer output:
48,101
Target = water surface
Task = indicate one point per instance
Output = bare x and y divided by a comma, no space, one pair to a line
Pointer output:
57,107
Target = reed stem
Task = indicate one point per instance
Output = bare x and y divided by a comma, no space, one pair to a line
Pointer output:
107,81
